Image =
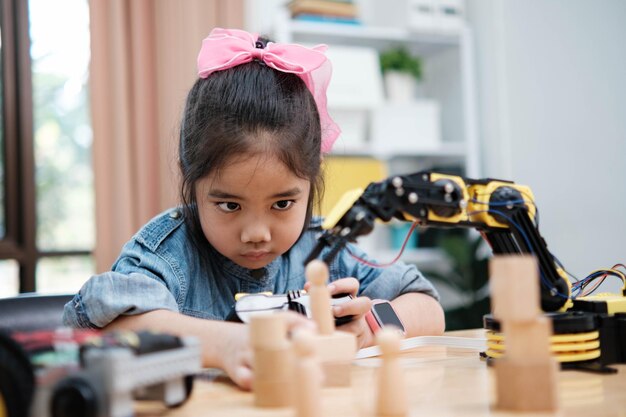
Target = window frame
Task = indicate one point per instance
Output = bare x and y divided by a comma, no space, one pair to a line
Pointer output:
19,242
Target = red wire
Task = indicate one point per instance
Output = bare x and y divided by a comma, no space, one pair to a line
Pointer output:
595,287
602,278
375,265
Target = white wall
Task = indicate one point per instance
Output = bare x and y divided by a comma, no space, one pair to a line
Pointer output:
260,14
552,89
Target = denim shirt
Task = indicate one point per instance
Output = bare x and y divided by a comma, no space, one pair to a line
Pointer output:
159,268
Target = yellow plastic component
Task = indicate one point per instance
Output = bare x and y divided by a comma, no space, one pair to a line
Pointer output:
556,347
556,338
615,303
343,205
575,337
574,357
575,347
462,215
572,347
243,294
3,408
345,173
479,203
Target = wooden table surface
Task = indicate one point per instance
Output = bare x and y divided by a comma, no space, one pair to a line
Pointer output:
442,381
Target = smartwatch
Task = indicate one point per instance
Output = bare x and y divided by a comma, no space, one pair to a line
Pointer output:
381,315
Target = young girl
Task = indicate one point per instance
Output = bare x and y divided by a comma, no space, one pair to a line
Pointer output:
252,136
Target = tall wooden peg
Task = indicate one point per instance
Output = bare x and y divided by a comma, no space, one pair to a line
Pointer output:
336,349
391,399
321,311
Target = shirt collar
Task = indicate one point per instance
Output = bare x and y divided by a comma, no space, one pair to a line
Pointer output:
260,276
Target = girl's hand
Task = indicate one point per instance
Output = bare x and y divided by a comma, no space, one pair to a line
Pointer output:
225,345
237,354
357,307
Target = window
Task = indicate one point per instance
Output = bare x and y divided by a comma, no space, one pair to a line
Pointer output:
47,229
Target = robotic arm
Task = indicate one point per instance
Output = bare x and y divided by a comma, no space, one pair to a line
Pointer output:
502,211
505,215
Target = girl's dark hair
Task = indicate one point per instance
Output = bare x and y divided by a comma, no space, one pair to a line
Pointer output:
247,109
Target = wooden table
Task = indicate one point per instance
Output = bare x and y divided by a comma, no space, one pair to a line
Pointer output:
442,381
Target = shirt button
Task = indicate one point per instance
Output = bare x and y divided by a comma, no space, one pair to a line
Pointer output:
175,214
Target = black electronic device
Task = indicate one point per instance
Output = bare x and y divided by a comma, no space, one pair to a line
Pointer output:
384,316
248,305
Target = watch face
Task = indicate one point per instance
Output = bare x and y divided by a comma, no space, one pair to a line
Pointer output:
386,316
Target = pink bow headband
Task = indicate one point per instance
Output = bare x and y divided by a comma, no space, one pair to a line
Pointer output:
227,48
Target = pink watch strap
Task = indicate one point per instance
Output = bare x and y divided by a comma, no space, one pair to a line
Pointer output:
371,322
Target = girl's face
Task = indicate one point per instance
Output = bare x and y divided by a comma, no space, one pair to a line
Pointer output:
254,211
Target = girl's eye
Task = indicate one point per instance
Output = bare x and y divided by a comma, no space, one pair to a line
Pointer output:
283,204
228,207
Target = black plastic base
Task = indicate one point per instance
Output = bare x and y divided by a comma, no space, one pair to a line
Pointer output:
611,328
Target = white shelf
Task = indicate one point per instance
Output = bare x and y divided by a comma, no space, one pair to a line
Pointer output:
378,37
448,57
450,150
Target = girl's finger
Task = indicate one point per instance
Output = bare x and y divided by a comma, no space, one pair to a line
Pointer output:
357,307
344,286
243,377
296,321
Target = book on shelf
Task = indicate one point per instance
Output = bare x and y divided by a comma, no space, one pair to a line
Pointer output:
323,7
319,18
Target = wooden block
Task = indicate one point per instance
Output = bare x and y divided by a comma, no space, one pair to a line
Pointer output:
528,340
273,393
308,376
269,331
514,283
282,361
336,353
523,385
337,374
272,361
335,347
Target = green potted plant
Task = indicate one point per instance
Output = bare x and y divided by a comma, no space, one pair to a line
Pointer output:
401,72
